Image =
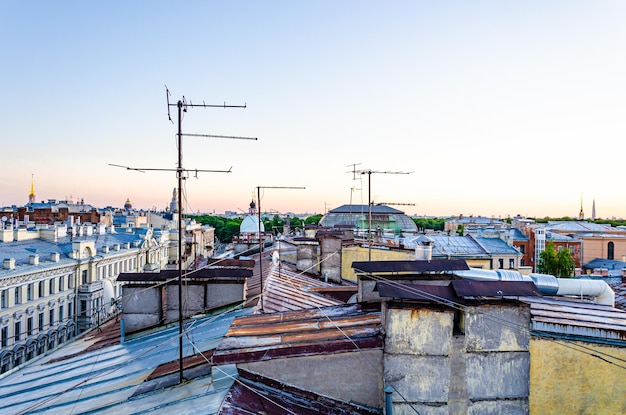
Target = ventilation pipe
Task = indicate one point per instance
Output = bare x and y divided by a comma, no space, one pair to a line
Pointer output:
597,288
547,284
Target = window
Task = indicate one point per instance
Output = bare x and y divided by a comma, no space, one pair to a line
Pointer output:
51,315
29,292
41,322
18,296
41,289
511,263
29,326
18,331
500,263
51,284
522,249
5,336
83,308
61,283
60,313
3,299
610,254
84,277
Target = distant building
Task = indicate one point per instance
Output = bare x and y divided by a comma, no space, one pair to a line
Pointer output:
57,281
382,220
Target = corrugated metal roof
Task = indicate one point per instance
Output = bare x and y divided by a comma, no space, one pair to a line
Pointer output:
496,246
577,320
116,378
298,333
289,290
457,246
255,394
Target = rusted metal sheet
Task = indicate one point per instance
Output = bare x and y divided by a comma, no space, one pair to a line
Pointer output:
287,290
255,394
577,320
422,292
321,331
410,266
474,288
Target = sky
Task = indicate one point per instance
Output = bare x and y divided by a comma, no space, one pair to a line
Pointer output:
484,108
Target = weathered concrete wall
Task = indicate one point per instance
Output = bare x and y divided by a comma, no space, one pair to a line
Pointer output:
198,298
484,370
141,307
417,346
330,264
566,378
497,358
307,257
219,295
355,375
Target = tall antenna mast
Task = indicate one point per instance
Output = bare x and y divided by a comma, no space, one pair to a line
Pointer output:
369,203
182,105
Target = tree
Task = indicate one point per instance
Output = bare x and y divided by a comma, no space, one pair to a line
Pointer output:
556,262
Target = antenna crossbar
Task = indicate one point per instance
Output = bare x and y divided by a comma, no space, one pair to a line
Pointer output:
232,137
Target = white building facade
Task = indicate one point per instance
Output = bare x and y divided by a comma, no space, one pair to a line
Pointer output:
56,283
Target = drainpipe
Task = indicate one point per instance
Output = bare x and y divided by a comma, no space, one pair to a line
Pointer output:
388,402
121,330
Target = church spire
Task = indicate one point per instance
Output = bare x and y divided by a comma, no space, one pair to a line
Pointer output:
31,195
581,215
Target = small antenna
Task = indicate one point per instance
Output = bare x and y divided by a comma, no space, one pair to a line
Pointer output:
167,97
354,170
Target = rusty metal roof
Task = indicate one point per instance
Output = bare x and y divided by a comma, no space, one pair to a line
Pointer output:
472,288
422,292
287,290
300,333
255,394
410,266
577,320
201,274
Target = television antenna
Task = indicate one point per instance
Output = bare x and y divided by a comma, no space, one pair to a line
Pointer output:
183,105
369,201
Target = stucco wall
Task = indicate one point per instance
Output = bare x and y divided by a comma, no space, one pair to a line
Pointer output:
565,378
351,254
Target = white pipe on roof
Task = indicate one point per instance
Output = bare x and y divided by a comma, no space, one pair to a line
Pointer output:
596,288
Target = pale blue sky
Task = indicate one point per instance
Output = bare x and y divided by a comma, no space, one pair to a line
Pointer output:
497,108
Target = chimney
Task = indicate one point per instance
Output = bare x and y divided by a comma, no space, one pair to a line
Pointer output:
54,257
8,263
330,266
33,259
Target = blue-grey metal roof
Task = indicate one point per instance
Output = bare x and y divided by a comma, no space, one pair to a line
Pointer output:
468,221
608,264
558,237
580,227
517,235
456,246
496,246
116,379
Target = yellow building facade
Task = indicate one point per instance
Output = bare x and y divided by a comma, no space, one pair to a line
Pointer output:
568,377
